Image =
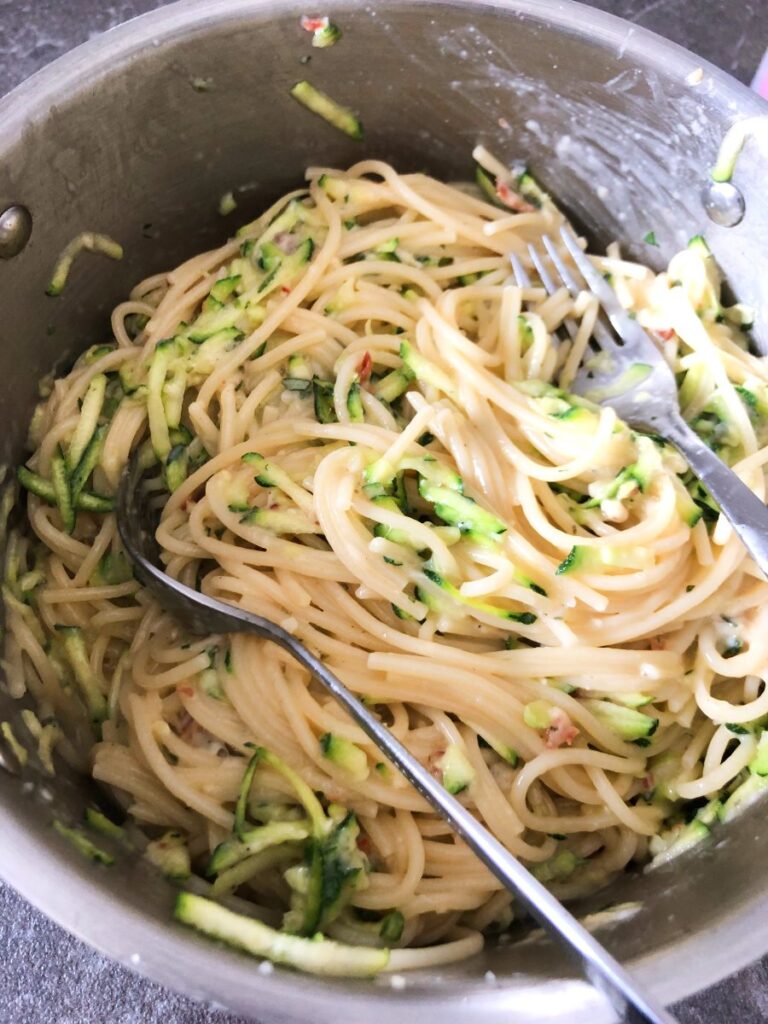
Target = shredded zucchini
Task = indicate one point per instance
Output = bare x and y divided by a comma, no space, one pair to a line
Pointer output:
88,241
334,113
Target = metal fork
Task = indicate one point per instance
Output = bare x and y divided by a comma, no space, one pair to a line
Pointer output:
203,615
636,381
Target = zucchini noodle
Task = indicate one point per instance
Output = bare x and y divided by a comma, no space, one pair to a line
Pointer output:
358,425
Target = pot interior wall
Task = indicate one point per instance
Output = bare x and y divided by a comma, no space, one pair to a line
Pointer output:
117,139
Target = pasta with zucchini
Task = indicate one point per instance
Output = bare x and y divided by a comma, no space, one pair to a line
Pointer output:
358,425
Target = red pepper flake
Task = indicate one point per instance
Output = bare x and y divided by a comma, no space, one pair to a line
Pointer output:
185,691
364,368
285,289
364,844
512,199
313,24
667,334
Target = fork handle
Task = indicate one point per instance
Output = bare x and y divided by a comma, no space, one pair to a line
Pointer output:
741,506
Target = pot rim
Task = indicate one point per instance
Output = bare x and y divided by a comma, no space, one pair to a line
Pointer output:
30,860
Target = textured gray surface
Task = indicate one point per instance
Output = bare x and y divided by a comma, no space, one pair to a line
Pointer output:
47,977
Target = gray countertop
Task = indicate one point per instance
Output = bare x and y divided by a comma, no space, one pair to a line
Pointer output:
48,977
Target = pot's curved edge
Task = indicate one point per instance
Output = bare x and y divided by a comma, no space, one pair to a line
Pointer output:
738,933
91,58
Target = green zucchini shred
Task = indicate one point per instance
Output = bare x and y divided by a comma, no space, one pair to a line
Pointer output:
87,241
313,955
18,749
392,925
170,854
328,109
322,393
99,822
326,36
62,492
83,844
73,643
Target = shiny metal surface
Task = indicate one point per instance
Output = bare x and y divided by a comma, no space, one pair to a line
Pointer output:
114,138
724,203
203,615
15,229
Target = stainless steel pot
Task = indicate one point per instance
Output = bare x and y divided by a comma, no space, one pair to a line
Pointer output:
114,137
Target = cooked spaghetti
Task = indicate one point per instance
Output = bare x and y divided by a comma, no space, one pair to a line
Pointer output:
360,427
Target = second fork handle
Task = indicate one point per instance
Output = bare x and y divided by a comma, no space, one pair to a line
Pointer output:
741,506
